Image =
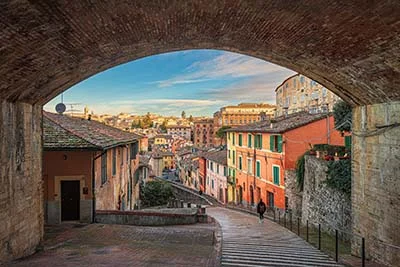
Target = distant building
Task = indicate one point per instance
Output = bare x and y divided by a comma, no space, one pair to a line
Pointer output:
204,133
216,175
299,93
83,157
183,131
241,114
259,154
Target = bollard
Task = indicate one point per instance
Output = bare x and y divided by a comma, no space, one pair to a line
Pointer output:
336,245
319,236
363,252
307,231
181,203
298,226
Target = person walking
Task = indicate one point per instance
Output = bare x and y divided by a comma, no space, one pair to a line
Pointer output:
261,208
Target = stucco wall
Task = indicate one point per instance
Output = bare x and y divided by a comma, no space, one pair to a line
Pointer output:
322,204
21,204
376,191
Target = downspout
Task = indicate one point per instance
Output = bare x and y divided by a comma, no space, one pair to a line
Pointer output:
94,186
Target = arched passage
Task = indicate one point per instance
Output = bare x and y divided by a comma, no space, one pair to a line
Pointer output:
351,47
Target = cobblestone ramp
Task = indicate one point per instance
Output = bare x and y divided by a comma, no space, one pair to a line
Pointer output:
246,242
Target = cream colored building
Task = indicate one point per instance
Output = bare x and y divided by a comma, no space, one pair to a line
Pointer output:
242,114
299,93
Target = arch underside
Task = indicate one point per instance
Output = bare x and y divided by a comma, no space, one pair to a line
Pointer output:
351,47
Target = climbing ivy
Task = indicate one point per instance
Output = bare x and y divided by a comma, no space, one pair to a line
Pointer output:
339,175
300,171
341,114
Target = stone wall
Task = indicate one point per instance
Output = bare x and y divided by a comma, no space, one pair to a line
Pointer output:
376,191
322,204
149,217
294,196
21,197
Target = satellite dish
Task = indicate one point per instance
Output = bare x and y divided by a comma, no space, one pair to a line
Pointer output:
60,108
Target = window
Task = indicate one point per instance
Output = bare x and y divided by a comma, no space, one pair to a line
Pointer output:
249,141
233,156
324,92
294,99
134,150
225,172
240,163
275,143
240,140
249,165
229,154
302,97
275,170
217,168
347,142
258,168
114,161
104,168
212,166
258,141
314,95
233,138
212,183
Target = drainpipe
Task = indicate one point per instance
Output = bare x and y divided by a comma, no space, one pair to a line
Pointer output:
328,129
94,185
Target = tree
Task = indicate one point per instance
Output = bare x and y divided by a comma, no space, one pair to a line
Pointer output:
163,126
221,133
342,115
191,118
147,120
155,193
183,115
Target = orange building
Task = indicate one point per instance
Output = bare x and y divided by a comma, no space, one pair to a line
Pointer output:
203,133
259,154
84,158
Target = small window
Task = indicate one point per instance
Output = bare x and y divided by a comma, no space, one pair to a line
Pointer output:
275,143
249,141
225,171
233,156
249,165
240,163
114,161
104,168
240,140
258,141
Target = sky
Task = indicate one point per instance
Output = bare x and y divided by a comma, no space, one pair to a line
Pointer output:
199,82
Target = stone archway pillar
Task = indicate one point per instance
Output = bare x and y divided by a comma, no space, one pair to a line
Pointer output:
376,180
21,197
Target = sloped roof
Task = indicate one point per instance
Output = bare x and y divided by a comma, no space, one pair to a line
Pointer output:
280,124
64,132
216,156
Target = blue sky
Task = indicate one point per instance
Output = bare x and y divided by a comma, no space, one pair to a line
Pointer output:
197,81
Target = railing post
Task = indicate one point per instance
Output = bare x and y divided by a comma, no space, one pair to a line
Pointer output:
279,216
291,223
307,231
319,236
284,219
336,245
363,252
298,226
274,215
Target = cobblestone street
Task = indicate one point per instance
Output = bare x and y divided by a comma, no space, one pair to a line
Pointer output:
124,245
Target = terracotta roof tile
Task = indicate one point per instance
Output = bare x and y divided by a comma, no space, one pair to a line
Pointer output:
90,132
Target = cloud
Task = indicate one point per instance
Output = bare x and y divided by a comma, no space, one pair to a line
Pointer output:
170,102
227,65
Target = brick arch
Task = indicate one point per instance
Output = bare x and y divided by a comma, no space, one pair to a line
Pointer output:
351,47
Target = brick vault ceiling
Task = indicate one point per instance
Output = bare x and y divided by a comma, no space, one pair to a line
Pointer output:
351,47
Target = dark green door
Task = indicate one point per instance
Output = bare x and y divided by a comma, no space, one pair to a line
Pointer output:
70,200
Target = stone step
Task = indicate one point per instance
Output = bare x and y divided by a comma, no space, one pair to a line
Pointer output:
278,253
273,262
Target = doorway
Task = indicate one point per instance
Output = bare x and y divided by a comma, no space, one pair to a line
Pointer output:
70,200
251,195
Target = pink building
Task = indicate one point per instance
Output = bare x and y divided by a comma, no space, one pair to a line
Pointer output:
216,175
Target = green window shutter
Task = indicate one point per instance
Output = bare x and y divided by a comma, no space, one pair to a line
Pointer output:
233,157
249,140
258,170
347,142
240,140
276,175
279,143
234,173
255,141
240,163
260,141
233,138
271,142
229,154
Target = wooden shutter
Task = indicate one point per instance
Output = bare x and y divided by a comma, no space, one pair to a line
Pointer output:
280,143
271,142
276,175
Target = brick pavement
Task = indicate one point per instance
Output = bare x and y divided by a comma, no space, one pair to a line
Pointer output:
124,245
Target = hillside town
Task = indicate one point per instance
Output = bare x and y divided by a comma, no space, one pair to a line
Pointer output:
242,154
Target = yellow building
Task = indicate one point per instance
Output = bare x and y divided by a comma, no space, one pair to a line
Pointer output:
231,144
242,114
162,139
299,93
